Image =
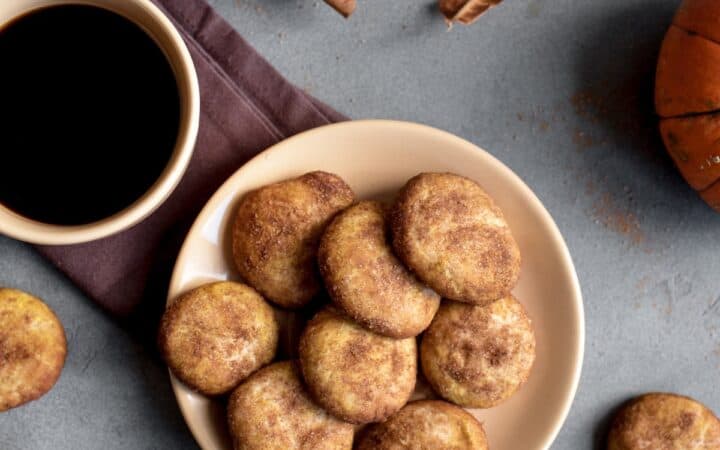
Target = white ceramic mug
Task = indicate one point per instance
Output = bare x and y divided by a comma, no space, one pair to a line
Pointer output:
149,17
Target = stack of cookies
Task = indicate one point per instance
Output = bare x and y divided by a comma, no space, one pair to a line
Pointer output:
434,269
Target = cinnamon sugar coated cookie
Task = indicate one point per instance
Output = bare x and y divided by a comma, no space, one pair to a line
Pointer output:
478,356
367,280
355,374
272,411
451,234
276,233
32,348
216,335
664,422
426,425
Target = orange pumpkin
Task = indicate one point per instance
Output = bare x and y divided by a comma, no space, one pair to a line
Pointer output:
687,95
688,74
711,196
701,17
694,144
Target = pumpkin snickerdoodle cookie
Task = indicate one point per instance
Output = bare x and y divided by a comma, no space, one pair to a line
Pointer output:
451,234
478,356
367,280
214,336
355,374
272,411
276,233
664,422
426,425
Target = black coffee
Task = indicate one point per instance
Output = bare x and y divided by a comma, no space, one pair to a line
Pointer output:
89,114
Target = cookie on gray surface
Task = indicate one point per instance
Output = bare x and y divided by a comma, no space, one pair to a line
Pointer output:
664,422
32,348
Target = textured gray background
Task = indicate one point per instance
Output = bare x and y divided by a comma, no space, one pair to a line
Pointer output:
557,89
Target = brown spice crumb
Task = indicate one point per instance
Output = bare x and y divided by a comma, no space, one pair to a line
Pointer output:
613,218
686,420
623,108
589,187
582,140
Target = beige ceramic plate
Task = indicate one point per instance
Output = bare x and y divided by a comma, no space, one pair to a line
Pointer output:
376,158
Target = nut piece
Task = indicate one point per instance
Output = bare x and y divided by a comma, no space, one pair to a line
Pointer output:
344,7
272,411
216,335
664,421
355,374
478,356
426,424
32,348
465,11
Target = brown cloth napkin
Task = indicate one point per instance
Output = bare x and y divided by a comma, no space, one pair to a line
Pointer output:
246,106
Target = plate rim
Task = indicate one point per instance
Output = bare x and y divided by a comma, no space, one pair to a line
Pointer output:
219,194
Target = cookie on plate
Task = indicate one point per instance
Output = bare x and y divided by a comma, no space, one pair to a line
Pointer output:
216,335
478,356
276,233
664,421
272,411
451,234
367,280
32,348
355,374
426,425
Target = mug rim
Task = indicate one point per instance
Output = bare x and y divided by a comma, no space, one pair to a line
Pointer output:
29,230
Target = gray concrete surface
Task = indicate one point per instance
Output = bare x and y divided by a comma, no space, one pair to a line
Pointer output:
557,89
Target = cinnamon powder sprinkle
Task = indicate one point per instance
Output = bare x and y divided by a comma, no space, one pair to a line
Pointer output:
606,211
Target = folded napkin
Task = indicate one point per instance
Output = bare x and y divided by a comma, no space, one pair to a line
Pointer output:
246,106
